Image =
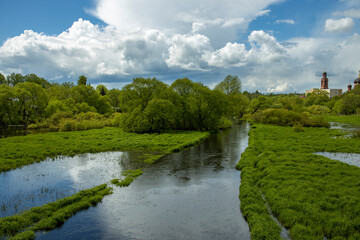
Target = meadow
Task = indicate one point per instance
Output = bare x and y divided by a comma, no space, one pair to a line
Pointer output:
23,150
310,195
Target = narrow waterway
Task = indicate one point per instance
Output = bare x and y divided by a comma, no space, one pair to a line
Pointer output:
188,195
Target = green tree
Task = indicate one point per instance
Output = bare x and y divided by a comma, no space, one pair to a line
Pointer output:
38,80
114,95
7,106
2,79
14,79
230,85
102,90
348,104
258,103
82,80
60,91
237,105
160,113
33,101
55,106
140,92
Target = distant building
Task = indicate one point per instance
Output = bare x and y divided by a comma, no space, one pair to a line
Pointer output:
324,82
357,81
325,88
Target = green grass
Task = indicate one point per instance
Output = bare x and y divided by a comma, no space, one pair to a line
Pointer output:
51,215
351,119
130,176
22,150
310,195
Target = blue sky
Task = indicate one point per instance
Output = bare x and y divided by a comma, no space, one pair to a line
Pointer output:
272,45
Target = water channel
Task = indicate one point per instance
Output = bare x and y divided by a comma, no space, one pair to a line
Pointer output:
192,194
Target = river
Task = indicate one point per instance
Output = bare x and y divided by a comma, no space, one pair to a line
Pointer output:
192,194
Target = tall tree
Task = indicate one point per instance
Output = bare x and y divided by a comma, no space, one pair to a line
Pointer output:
140,92
38,80
33,100
14,79
2,79
82,80
102,90
230,85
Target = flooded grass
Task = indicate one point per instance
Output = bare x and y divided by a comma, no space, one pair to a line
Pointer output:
312,196
51,215
23,150
130,176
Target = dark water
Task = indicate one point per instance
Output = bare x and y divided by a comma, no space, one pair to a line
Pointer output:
20,130
188,195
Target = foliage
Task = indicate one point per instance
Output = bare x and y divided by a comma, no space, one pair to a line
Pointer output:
82,80
22,150
348,104
51,215
149,105
102,90
284,117
311,195
230,85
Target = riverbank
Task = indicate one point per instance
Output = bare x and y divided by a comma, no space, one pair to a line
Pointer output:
23,150
312,196
348,119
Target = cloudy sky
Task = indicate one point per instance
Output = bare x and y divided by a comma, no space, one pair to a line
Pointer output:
272,45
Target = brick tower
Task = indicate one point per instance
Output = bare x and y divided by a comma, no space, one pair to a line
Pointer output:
324,82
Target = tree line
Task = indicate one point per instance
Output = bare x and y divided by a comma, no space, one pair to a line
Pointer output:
149,105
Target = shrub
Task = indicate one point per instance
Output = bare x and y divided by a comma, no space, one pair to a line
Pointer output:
284,117
67,125
298,128
116,120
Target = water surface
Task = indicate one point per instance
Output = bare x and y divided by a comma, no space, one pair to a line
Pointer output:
188,195
349,158
53,179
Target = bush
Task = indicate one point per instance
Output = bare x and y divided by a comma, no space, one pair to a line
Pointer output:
284,117
67,125
298,128
116,120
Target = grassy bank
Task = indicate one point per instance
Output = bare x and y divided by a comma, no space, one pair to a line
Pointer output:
51,215
311,195
22,150
351,119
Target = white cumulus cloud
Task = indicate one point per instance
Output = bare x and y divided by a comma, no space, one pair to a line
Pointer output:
339,25
224,17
